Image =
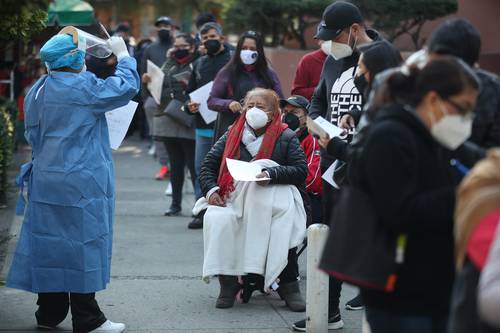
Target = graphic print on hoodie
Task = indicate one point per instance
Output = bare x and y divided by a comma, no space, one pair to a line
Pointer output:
344,96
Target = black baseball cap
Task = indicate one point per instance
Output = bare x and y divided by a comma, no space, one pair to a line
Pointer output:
336,17
165,20
318,28
297,101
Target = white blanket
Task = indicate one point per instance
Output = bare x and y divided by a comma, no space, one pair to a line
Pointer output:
255,230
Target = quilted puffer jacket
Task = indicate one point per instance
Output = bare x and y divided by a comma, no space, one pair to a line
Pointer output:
287,153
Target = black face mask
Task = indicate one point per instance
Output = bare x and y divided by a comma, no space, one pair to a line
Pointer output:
292,121
179,54
361,84
212,46
164,36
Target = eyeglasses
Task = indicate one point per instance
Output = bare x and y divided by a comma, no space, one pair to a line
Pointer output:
463,111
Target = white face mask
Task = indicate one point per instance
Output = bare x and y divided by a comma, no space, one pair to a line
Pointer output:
249,57
452,130
326,46
256,118
340,50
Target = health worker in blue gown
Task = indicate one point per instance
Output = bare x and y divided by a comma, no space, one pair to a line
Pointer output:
64,250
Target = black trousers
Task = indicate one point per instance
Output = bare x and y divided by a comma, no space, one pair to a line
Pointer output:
291,271
53,309
181,154
316,208
335,286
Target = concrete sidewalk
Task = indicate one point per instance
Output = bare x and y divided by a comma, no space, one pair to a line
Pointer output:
156,273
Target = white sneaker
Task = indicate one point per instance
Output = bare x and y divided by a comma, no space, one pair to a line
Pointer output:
110,327
152,150
46,328
168,190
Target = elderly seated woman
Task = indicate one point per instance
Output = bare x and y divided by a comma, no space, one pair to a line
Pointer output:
252,229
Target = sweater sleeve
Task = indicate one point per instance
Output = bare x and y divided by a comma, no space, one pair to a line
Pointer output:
302,83
277,84
218,101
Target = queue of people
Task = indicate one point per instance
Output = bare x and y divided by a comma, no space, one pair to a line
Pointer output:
410,158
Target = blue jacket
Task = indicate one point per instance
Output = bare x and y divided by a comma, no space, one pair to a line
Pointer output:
65,241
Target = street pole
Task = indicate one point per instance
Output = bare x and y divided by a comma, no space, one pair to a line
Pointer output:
317,281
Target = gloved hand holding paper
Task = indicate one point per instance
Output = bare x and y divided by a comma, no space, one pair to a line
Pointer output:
244,171
320,127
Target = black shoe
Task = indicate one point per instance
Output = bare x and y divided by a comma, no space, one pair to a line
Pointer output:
41,327
355,304
196,223
335,322
173,211
251,283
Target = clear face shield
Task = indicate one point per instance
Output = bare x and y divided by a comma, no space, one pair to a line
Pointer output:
88,43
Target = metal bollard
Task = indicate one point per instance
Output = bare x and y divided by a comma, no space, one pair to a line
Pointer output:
317,281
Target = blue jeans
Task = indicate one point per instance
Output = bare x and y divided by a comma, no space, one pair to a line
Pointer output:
203,145
382,321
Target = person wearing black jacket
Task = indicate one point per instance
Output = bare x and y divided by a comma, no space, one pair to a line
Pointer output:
460,38
375,58
204,71
343,31
405,171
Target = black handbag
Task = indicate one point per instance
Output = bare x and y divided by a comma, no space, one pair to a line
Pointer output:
359,250
175,111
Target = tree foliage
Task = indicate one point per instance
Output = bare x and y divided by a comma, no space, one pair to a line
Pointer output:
405,17
19,19
8,112
275,19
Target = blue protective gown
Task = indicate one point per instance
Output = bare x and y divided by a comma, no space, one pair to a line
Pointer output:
66,237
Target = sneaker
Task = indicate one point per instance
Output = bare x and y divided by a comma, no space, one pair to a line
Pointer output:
110,327
355,304
46,327
152,150
168,190
162,174
335,322
196,223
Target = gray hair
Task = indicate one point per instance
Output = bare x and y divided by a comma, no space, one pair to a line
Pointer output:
209,26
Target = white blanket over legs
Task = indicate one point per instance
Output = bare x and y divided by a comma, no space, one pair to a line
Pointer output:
255,230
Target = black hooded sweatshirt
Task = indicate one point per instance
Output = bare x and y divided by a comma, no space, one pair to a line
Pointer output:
336,93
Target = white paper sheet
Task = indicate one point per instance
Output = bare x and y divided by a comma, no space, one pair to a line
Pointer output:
118,123
328,175
244,171
201,96
320,126
156,84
